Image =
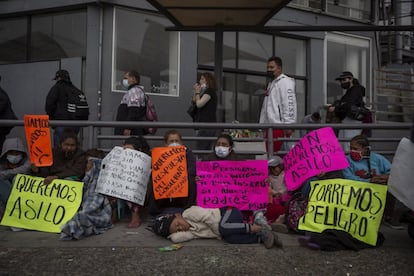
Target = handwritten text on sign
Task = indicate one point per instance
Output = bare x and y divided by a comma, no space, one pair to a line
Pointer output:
317,151
241,184
351,206
125,174
169,172
33,205
38,139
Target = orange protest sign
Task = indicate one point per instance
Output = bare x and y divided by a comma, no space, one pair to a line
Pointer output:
169,172
38,139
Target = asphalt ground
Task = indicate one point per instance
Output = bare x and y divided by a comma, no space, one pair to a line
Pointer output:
123,251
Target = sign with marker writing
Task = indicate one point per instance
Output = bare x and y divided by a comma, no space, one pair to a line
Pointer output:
241,184
38,139
351,206
125,174
318,151
169,172
33,205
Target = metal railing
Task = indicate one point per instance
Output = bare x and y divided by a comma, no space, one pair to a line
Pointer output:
385,135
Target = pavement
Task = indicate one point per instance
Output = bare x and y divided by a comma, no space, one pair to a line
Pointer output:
124,251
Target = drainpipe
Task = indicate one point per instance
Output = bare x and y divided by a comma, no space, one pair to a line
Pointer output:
398,35
99,93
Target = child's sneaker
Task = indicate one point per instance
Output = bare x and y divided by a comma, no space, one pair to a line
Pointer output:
280,228
267,238
261,220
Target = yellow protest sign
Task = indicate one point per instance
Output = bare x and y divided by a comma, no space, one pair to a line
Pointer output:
351,206
33,205
169,172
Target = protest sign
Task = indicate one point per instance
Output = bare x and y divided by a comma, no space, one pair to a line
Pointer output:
347,205
241,184
169,172
125,174
38,139
318,151
400,182
33,205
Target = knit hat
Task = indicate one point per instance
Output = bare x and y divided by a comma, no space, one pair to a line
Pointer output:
275,161
162,224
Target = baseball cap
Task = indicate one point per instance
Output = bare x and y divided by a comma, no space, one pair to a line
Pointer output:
62,74
275,161
345,74
162,224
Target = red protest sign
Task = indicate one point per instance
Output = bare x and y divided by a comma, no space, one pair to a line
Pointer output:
38,139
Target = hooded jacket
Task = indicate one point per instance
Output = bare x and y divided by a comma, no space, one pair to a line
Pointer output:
24,164
279,105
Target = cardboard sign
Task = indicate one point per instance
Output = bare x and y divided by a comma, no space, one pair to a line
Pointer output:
241,184
400,182
169,172
351,206
38,139
318,151
33,205
125,174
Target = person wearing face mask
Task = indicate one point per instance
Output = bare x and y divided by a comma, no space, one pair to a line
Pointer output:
279,104
223,149
133,104
205,100
343,108
173,138
13,160
368,166
68,160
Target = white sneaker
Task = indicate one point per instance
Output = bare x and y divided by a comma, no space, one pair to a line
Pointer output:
261,220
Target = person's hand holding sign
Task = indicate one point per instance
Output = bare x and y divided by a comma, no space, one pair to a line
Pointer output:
49,179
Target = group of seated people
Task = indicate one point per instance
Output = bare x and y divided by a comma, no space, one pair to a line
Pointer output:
180,219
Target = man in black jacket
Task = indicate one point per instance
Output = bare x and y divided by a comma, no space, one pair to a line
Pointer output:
6,113
57,104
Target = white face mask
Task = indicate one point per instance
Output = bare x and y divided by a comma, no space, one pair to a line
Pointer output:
174,145
222,151
14,159
203,86
125,83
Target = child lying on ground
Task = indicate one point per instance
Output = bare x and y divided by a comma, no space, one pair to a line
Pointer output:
226,223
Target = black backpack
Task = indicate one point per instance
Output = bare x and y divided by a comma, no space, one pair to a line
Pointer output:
76,105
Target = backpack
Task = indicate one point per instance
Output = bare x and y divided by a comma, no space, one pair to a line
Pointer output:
77,105
150,115
295,209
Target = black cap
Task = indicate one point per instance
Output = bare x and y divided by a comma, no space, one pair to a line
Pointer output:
345,74
162,224
63,74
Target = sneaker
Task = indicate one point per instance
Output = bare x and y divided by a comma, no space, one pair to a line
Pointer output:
305,242
277,242
393,224
267,238
279,227
261,220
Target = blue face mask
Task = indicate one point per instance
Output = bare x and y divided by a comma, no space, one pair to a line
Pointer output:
125,83
14,159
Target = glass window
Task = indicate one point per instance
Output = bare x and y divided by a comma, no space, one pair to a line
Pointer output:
13,40
229,49
205,48
141,43
58,36
347,53
358,9
293,55
250,97
254,50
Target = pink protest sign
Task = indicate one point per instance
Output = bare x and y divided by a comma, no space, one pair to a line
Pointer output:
318,151
241,184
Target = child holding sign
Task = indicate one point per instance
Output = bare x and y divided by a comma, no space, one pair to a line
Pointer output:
226,223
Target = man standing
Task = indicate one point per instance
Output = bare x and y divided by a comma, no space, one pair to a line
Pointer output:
62,103
279,105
